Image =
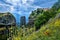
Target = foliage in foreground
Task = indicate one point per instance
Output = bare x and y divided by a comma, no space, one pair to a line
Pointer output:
50,31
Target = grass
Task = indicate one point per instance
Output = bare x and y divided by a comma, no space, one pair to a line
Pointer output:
49,31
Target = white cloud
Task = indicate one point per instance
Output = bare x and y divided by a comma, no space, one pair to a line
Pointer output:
13,2
31,0
31,6
4,7
20,4
24,1
11,8
21,7
4,4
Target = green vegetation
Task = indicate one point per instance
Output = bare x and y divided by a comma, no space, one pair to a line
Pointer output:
46,25
49,31
42,15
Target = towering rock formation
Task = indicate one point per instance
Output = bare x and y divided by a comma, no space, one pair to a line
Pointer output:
7,20
23,21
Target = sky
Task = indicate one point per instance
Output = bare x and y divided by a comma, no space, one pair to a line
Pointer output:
24,7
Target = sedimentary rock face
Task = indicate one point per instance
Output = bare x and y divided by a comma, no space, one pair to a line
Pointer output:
7,19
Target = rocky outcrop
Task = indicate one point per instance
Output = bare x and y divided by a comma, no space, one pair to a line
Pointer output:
7,19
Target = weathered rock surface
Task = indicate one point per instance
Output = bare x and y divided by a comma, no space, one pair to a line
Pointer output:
7,19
